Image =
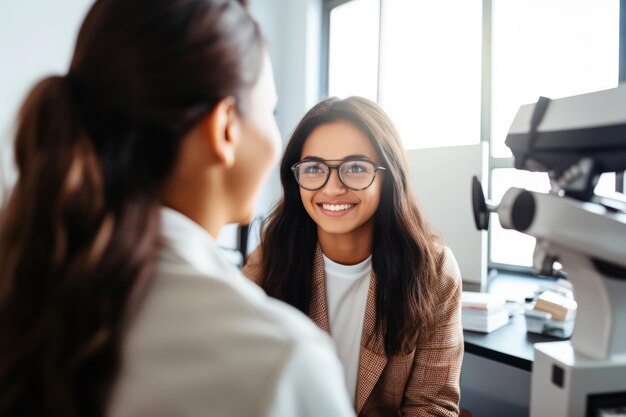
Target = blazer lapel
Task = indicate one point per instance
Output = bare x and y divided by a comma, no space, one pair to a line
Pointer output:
372,360
318,310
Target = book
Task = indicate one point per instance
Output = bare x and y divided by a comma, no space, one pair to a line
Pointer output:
481,301
484,321
560,307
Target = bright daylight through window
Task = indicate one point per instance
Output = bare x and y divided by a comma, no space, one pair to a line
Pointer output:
454,72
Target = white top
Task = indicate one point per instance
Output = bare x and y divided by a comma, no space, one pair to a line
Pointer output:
208,342
346,296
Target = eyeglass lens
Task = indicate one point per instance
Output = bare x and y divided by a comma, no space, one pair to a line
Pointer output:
353,174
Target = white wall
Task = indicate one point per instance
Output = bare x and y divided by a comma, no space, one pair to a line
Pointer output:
293,31
36,40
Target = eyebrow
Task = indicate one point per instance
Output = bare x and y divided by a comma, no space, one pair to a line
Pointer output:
345,158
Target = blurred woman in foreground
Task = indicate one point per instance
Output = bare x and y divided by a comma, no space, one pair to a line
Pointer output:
114,296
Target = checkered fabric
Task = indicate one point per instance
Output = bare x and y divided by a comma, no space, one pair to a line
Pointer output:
424,382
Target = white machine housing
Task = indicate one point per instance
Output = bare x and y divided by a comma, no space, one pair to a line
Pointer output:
575,139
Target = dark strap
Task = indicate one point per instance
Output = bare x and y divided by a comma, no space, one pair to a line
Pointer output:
243,232
538,113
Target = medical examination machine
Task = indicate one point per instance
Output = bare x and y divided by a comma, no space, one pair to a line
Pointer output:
574,140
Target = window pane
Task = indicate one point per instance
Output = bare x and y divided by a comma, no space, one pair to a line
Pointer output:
353,49
430,70
553,48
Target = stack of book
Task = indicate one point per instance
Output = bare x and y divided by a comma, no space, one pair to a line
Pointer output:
483,312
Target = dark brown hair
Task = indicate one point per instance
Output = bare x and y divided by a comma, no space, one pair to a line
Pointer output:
404,255
79,233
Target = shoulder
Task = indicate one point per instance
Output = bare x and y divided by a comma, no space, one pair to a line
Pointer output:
222,310
218,332
232,298
254,266
449,274
446,261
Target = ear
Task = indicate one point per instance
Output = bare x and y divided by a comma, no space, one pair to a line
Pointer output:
221,130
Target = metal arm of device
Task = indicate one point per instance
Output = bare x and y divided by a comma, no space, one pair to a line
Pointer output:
574,140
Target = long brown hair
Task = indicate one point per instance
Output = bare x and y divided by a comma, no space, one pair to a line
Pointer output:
404,255
79,233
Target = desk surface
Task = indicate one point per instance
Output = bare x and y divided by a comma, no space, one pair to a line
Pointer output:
510,344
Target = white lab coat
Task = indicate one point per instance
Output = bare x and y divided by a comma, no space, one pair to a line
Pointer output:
208,342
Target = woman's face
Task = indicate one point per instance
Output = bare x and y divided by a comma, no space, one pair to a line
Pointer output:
336,209
259,147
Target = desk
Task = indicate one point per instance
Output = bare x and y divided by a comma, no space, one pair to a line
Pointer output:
510,345
495,378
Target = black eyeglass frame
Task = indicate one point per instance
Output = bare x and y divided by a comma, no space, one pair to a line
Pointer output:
377,167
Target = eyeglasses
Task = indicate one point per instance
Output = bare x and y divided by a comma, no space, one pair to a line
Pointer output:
355,174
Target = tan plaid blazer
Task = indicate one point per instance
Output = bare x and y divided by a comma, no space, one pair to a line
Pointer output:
424,382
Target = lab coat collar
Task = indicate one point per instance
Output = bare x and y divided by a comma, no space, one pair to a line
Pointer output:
193,244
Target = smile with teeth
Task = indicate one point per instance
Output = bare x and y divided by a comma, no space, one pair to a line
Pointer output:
337,207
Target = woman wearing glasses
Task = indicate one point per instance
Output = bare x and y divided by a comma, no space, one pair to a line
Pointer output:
348,246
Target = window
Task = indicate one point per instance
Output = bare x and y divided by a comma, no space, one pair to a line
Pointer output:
431,60
354,28
390,67
552,48
428,62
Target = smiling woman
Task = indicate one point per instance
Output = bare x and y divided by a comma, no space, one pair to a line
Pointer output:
344,215
348,246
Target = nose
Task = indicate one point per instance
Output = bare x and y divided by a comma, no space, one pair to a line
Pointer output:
334,186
